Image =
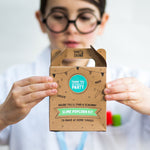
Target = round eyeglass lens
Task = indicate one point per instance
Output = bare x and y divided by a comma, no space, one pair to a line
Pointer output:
57,22
86,22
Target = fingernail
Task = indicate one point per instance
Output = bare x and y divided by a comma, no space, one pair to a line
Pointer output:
108,97
107,91
108,85
54,91
50,79
53,85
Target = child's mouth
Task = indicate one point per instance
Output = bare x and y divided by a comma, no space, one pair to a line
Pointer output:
71,44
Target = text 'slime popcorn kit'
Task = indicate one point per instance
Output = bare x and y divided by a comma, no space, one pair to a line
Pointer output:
79,104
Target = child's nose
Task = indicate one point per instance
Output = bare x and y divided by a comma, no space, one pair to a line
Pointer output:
72,28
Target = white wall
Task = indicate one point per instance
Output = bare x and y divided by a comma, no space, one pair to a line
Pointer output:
126,37
20,36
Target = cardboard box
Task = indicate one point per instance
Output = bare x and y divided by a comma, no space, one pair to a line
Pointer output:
79,104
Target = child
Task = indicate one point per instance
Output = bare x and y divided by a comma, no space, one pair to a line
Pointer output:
24,108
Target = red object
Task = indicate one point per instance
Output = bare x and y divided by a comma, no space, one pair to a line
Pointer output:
109,118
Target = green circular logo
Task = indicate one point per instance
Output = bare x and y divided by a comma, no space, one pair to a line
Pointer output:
78,83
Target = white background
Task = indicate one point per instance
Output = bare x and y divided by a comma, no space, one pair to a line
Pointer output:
126,38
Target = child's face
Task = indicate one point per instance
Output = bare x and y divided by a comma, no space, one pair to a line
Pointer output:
71,38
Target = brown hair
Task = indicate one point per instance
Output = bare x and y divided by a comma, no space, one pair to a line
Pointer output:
100,4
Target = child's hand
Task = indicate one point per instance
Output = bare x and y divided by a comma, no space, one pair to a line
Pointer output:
24,95
131,92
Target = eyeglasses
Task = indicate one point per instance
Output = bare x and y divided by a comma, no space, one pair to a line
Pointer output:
58,22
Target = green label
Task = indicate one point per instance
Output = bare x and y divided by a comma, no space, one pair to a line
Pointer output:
77,112
78,83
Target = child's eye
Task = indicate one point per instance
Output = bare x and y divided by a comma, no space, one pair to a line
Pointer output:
57,17
84,18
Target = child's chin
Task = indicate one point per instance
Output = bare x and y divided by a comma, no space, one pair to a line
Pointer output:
69,61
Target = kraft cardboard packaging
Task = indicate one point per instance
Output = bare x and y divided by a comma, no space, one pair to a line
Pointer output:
79,104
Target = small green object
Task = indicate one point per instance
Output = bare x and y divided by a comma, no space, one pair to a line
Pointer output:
116,120
77,112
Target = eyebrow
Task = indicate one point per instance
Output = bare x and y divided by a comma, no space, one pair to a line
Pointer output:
58,8
65,9
86,9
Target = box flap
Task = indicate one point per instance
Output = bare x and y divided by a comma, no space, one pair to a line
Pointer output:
84,53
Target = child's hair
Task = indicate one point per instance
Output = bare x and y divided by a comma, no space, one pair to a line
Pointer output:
98,3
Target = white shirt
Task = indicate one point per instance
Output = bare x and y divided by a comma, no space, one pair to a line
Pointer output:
32,133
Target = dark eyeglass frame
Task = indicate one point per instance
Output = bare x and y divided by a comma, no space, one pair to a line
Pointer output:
71,21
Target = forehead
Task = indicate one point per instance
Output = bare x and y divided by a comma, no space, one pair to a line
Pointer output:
67,1
71,5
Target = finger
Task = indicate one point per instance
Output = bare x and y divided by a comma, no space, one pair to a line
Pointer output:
33,80
38,87
120,88
128,80
32,104
38,95
122,96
